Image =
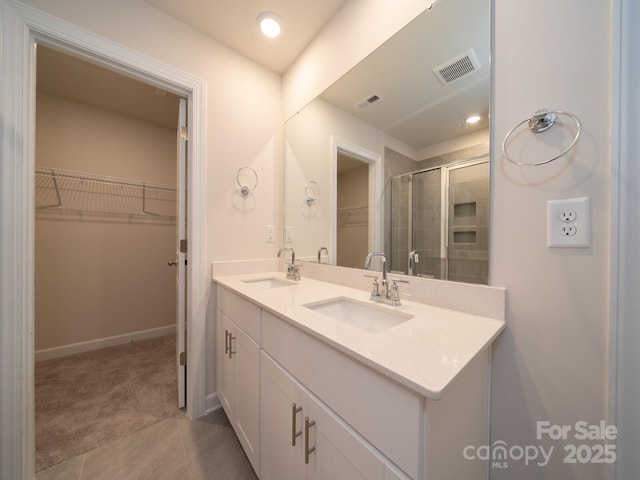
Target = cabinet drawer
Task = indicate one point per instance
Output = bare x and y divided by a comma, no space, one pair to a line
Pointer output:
384,412
242,312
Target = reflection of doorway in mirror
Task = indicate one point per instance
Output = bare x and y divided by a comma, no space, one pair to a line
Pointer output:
352,232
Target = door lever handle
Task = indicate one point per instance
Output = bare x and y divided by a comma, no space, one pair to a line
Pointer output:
172,263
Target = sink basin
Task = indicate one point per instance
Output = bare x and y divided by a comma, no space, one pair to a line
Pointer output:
368,317
269,282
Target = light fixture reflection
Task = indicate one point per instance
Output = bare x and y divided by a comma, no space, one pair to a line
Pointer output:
473,119
269,24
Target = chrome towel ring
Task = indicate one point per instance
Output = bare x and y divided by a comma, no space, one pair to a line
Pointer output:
246,172
311,192
541,121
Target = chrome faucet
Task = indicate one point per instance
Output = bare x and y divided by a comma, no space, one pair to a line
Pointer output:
322,250
385,286
293,271
413,259
385,294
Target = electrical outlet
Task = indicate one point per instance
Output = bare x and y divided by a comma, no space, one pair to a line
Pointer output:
568,230
569,223
568,216
288,233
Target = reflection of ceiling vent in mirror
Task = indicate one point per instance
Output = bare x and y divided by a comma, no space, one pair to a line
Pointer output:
457,68
368,101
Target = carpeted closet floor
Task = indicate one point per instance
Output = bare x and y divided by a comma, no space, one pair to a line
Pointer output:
86,400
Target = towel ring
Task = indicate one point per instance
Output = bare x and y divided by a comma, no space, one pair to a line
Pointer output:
311,192
245,189
541,121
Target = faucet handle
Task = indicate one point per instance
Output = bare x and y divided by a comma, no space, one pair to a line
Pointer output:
375,289
395,291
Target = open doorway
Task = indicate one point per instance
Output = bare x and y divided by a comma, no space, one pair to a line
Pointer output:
352,230
107,209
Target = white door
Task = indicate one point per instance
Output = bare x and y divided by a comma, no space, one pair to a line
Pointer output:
181,252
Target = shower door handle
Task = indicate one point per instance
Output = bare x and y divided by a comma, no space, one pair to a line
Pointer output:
172,263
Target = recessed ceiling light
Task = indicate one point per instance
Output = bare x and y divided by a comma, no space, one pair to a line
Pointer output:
471,119
269,24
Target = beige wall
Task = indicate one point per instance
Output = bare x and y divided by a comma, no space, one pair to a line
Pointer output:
551,362
101,277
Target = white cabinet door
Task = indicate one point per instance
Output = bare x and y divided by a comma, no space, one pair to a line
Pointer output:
338,452
226,377
247,375
335,451
239,385
282,410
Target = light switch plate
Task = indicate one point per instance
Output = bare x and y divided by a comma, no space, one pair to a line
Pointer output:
271,233
569,223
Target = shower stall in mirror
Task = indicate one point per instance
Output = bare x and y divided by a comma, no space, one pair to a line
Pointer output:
439,222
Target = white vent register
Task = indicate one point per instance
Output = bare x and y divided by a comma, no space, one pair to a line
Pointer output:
458,67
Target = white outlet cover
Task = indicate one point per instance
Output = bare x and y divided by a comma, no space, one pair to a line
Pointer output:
288,232
556,225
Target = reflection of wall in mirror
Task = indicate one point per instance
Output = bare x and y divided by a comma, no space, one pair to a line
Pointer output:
307,157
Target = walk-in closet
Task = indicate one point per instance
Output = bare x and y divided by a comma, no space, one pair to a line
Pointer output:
105,232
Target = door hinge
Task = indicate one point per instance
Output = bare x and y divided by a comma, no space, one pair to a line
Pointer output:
183,246
184,135
183,358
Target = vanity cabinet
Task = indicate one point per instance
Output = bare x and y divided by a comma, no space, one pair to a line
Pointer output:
304,409
238,355
302,439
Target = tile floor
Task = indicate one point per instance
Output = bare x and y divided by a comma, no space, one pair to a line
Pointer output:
173,449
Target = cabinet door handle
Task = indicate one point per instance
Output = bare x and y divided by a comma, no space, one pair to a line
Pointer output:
294,411
231,339
307,451
226,342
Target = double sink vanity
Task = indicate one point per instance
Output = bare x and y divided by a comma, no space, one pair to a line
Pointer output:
320,382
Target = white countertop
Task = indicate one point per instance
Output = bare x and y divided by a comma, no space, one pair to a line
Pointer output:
424,353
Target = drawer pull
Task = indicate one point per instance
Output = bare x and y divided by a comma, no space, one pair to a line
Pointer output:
231,350
294,411
307,451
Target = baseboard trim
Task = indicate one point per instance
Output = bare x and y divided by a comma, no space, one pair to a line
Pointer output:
64,350
212,403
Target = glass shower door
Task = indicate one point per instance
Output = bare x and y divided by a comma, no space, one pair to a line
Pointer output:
440,222
427,229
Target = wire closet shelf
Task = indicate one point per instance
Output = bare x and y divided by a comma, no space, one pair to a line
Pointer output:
66,192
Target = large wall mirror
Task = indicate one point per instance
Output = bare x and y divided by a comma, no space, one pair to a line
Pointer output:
388,158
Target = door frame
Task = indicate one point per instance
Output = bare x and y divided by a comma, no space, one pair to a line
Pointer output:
20,28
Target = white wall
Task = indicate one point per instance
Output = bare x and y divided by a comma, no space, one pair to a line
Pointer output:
102,276
243,120
551,362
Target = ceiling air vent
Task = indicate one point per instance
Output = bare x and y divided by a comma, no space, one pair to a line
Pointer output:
368,101
457,68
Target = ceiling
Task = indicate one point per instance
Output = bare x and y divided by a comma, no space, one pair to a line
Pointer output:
415,107
234,24
66,76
